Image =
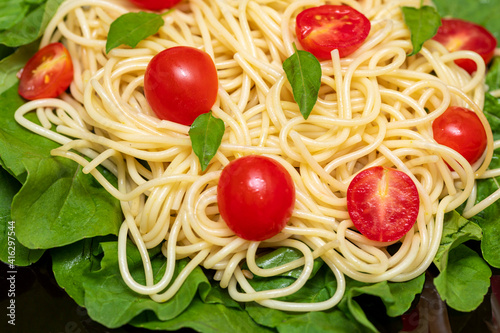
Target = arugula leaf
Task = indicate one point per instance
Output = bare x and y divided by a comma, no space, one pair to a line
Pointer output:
303,71
131,28
22,256
423,23
31,26
465,279
456,230
397,297
206,134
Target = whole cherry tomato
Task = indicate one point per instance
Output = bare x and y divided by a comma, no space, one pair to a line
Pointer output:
155,4
460,129
383,203
47,74
456,34
181,83
256,197
325,28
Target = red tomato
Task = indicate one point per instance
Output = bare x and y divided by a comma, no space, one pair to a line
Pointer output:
325,28
47,74
155,4
256,197
383,203
457,35
181,83
460,129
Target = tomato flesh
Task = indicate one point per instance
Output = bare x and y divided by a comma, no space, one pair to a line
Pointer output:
461,130
383,203
325,28
47,74
456,34
155,4
256,197
181,83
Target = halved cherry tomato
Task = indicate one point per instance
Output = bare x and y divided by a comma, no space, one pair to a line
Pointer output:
460,129
256,197
325,28
456,34
181,83
383,203
155,4
47,74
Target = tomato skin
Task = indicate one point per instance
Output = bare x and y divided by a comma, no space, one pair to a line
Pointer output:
181,83
256,197
456,34
325,28
461,130
47,74
155,4
383,203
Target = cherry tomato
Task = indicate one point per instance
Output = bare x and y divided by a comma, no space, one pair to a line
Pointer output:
181,83
256,197
460,129
457,35
383,203
155,4
325,28
47,74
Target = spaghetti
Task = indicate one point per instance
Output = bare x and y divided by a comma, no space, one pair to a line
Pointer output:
375,107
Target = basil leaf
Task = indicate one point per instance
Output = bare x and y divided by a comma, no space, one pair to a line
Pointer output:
303,71
131,28
465,280
423,23
206,136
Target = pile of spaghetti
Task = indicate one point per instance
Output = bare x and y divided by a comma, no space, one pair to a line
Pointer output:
375,107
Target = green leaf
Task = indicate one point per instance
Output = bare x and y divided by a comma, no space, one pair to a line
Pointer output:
13,12
131,28
484,12
31,26
423,23
282,256
396,296
203,317
465,280
303,71
57,204
456,230
15,253
489,219
333,320
10,65
90,274
206,134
